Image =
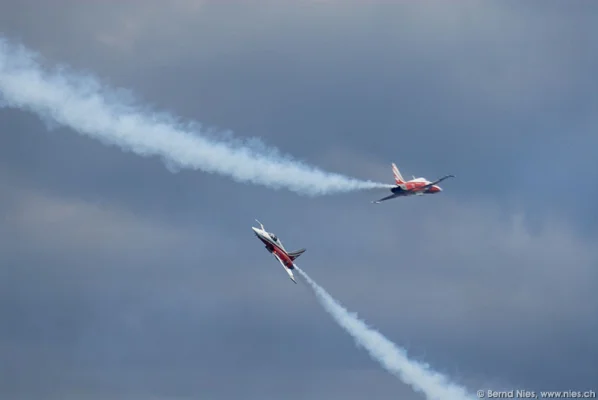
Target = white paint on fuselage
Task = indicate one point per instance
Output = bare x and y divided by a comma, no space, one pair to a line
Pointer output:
267,236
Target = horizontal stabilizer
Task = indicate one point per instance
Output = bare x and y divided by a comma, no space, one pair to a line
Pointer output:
436,182
291,275
295,254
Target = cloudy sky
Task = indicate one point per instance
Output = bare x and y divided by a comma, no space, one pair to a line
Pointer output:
122,280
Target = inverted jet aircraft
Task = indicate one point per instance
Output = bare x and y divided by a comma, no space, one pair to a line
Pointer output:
415,186
274,246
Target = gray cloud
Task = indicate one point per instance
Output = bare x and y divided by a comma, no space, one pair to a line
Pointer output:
122,280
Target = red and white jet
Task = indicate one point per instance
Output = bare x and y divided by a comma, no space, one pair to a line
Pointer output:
274,246
416,186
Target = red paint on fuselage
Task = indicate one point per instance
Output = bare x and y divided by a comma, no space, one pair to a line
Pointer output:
414,186
272,248
284,257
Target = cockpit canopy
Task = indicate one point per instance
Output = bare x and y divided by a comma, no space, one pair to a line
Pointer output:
273,236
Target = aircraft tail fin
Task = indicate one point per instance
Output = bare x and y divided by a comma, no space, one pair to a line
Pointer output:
295,254
398,177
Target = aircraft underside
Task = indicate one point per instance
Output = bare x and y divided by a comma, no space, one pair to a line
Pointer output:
398,192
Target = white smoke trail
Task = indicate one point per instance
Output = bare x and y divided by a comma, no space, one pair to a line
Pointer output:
83,104
420,377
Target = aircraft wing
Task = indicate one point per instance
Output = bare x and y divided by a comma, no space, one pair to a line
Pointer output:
392,196
285,268
429,185
279,260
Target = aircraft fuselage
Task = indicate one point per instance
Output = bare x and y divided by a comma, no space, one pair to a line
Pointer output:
407,188
274,249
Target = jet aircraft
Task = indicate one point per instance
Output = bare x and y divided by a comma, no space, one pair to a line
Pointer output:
274,246
415,186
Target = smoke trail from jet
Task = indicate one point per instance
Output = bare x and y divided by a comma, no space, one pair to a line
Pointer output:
82,103
420,377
